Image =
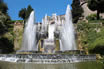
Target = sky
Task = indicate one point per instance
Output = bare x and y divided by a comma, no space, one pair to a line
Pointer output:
41,7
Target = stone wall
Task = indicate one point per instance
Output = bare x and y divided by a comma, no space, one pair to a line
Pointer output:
18,32
87,11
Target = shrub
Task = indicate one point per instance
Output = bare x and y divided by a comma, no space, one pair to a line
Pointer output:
91,17
97,46
92,37
6,45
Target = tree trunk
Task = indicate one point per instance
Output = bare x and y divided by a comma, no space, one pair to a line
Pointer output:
98,14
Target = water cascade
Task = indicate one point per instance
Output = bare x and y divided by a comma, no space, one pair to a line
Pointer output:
59,21
29,37
52,28
44,58
46,22
67,32
49,44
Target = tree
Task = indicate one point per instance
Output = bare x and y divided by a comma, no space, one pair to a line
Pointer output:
6,44
76,10
22,13
96,5
4,17
1,1
3,7
25,12
29,10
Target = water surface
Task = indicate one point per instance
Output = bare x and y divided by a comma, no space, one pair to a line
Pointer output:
81,65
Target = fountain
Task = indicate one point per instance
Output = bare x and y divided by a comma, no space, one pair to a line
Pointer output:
67,33
29,36
48,45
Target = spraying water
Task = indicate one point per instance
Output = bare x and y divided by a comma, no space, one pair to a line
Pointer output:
46,22
67,33
29,37
42,27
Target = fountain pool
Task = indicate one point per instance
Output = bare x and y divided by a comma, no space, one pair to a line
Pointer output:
81,65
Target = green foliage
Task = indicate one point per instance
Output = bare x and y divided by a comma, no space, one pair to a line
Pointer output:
98,46
22,13
29,10
92,36
96,5
3,7
13,21
95,21
6,45
87,31
3,23
91,17
97,42
4,17
77,10
25,12
1,1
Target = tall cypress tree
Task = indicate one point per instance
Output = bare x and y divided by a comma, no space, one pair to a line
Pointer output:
76,10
